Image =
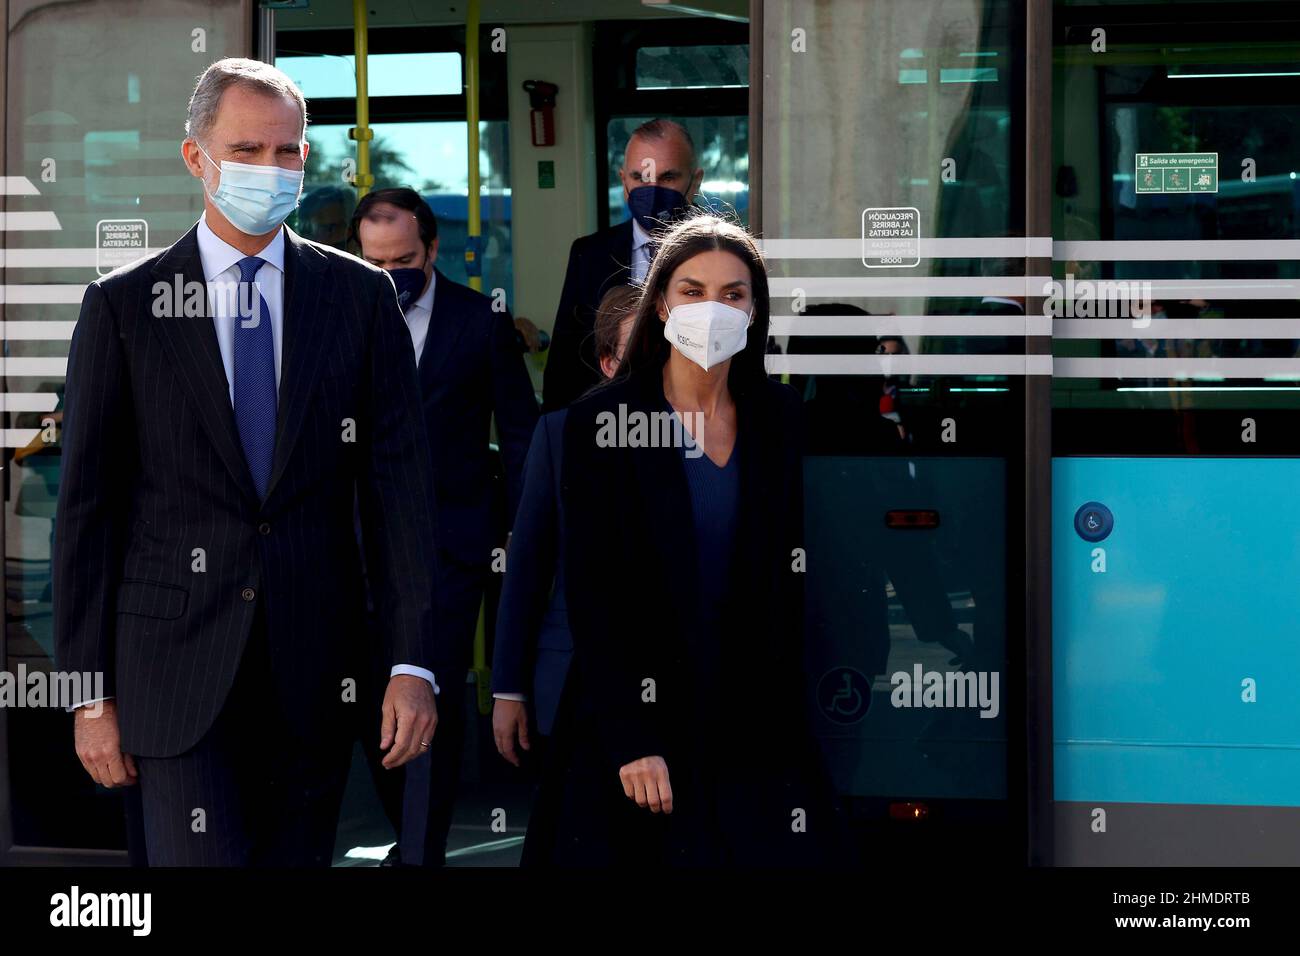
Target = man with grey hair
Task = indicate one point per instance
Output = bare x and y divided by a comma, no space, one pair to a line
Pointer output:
660,180
228,399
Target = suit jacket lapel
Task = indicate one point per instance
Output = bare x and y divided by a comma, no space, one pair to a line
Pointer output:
308,290
191,342
446,325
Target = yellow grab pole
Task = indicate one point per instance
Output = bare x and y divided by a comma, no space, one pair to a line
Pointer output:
474,271
474,247
361,133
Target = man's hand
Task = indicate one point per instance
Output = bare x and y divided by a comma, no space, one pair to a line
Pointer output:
99,745
646,782
410,716
510,718
529,331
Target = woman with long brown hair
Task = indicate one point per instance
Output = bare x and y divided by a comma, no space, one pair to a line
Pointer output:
681,736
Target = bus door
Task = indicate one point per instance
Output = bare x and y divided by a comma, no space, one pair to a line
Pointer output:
893,211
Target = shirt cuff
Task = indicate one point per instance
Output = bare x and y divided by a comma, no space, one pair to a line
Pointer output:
503,695
414,671
87,703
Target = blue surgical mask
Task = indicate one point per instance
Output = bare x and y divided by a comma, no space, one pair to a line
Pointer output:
655,206
410,283
255,199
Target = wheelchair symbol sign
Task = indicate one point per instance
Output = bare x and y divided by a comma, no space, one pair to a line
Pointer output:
844,695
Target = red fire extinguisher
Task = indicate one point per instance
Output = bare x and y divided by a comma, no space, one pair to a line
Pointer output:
542,97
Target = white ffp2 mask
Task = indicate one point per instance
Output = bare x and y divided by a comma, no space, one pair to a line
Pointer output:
708,333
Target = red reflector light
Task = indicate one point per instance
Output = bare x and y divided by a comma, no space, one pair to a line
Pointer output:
908,519
908,811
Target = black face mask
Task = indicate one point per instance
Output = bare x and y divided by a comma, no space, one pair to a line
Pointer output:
655,206
410,283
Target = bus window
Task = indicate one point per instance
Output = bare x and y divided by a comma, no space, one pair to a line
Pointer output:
723,146
698,77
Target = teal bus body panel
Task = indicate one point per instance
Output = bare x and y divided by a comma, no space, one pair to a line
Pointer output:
1156,658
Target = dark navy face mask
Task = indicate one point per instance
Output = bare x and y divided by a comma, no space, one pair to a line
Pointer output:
655,206
410,283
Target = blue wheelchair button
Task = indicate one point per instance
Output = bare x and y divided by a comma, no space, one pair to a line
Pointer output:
1093,521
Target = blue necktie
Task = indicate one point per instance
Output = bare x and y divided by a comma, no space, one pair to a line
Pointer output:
255,377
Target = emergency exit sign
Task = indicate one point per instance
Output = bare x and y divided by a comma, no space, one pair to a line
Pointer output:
1176,172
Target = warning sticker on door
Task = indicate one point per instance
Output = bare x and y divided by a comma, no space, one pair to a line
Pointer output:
891,237
119,242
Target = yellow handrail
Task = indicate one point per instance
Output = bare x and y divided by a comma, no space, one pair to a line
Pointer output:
474,257
473,247
361,133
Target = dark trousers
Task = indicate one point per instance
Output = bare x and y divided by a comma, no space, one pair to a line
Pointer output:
419,798
248,793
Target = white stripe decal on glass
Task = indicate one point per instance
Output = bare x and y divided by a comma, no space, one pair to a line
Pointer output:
901,286
935,325
17,186
1177,329
69,294
910,364
37,331
1000,247
28,221
28,401
1189,368
1175,250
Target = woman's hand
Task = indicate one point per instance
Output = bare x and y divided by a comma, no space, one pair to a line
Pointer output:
646,782
509,720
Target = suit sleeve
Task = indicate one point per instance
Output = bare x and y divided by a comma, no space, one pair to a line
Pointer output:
514,406
530,571
99,464
559,382
395,488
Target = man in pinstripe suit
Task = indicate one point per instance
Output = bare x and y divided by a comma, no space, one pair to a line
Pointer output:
206,560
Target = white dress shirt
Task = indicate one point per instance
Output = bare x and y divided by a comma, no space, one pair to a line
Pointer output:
418,316
221,273
640,252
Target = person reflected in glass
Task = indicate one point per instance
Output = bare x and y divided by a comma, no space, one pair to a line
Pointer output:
324,214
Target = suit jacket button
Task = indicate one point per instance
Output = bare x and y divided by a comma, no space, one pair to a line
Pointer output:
264,528
248,594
